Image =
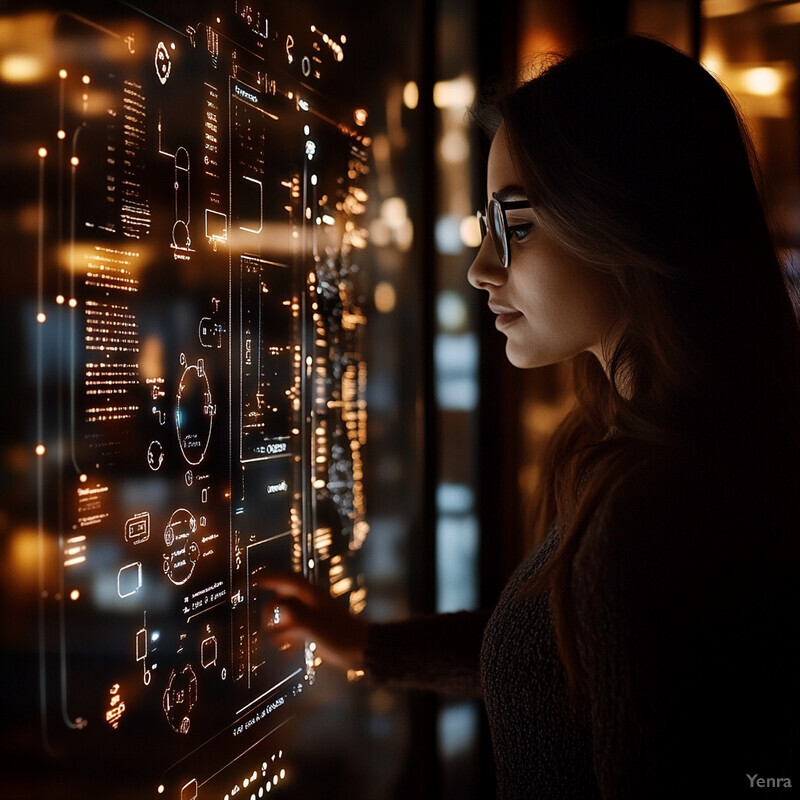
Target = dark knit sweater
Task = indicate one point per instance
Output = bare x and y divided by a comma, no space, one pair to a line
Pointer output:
542,747
684,589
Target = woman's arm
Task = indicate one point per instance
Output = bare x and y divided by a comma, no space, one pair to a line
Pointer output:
439,652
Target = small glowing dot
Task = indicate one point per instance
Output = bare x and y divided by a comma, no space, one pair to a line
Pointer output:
245,783
325,38
86,79
74,161
313,29
62,134
360,116
313,180
282,774
42,152
306,130
83,478
41,317
172,45
160,789
275,779
72,302
85,97
60,299
312,646
40,449
62,73
311,563
343,39
219,20
74,594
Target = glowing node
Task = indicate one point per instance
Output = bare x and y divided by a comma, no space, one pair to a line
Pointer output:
160,789
313,180
72,302
282,774
343,39
42,152
40,449
311,563
62,73
61,134
172,45
41,317
74,594
74,161
86,79
60,299
306,130
83,478
313,29
360,116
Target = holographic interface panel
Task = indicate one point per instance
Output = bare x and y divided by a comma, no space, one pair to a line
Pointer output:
200,379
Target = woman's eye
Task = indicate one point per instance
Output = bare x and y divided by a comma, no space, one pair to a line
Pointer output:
519,232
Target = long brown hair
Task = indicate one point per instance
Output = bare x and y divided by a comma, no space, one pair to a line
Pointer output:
636,159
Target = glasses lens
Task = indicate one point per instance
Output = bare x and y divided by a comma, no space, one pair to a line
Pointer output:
497,228
482,223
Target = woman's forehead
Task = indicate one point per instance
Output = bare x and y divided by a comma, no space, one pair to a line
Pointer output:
502,176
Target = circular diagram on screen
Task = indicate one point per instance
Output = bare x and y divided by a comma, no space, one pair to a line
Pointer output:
181,538
180,697
194,412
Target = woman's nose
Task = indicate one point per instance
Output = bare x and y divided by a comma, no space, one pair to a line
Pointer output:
486,270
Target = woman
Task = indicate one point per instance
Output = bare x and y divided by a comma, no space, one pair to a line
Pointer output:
647,648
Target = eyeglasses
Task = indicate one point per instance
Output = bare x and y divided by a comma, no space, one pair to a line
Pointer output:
495,223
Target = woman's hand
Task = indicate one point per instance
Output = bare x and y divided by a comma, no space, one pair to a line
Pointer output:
299,610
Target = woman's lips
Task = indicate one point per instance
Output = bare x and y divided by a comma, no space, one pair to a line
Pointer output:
505,316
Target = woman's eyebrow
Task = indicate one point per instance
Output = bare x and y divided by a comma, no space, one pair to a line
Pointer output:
511,193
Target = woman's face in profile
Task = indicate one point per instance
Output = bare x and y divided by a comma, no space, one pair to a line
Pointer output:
550,304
